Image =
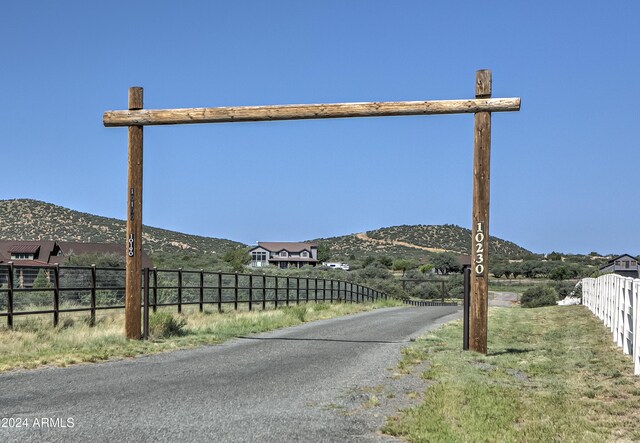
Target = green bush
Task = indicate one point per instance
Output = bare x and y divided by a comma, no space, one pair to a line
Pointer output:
564,288
164,324
539,296
298,312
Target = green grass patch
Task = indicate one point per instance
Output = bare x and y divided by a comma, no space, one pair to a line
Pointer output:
34,342
552,375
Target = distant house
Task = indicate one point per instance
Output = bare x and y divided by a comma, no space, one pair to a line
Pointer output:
31,256
624,265
284,254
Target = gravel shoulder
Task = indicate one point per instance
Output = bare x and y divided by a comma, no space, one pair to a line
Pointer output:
331,380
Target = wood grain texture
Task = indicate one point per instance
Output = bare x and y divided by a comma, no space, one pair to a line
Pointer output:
148,117
134,223
478,318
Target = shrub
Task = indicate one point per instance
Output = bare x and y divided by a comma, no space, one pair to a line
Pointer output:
298,312
321,307
564,288
164,324
539,296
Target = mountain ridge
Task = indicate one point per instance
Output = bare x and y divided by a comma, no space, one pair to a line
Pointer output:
416,241
28,219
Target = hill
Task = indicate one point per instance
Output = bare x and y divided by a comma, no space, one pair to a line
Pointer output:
416,241
35,220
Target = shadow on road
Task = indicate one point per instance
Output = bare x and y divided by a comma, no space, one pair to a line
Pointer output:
324,339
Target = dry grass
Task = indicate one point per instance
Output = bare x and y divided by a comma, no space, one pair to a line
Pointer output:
34,342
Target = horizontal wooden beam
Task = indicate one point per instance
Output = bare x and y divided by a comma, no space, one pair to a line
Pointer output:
148,117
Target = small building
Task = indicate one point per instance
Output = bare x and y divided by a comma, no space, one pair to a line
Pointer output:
284,254
33,256
624,265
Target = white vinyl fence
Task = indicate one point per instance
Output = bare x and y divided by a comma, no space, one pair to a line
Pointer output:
614,299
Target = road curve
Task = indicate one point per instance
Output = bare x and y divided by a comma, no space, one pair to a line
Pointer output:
274,387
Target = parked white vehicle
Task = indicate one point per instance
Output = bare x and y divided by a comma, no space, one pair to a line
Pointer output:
343,266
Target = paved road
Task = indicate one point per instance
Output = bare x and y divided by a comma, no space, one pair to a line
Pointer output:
289,385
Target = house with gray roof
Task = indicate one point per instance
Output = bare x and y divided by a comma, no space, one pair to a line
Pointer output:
624,265
284,254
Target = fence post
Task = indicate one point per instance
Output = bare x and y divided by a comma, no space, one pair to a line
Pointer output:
235,291
201,290
56,295
331,292
307,289
275,294
315,290
219,291
250,291
324,290
297,290
155,289
94,285
145,311
179,290
287,283
465,315
264,291
10,297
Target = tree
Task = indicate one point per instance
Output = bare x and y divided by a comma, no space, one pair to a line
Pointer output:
499,270
514,270
386,261
403,265
559,273
555,256
531,268
324,252
368,260
426,268
42,280
101,260
446,262
237,258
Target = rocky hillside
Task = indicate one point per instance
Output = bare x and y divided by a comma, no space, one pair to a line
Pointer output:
416,241
36,220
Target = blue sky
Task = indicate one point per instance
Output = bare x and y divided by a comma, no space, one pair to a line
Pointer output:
564,168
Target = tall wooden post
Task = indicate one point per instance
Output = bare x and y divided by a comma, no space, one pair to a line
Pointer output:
480,226
134,223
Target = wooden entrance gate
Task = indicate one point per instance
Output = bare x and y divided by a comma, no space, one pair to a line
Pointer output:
482,106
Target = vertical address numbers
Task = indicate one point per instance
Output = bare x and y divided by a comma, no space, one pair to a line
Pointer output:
479,249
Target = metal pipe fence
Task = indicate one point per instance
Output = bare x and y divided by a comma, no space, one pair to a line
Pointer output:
54,290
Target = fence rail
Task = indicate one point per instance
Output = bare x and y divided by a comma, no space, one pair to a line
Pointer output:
614,300
90,289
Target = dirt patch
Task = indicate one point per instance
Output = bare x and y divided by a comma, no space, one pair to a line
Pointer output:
503,299
363,236
372,404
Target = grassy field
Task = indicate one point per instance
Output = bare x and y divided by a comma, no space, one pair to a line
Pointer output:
515,285
552,375
34,342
